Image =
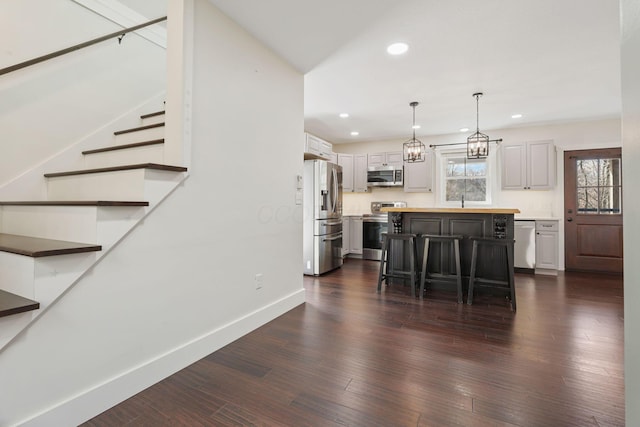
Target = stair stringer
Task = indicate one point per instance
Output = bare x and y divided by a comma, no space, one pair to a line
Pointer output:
46,279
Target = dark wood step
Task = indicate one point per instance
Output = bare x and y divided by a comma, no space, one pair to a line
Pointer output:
148,116
125,146
14,304
139,128
154,166
36,247
73,203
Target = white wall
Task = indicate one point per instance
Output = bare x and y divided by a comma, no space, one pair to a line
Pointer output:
630,12
49,106
540,204
181,285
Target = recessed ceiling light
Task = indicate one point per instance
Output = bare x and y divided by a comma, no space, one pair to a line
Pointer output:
344,115
516,116
397,48
355,133
464,129
415,127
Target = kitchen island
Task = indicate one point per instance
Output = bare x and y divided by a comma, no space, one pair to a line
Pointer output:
467,222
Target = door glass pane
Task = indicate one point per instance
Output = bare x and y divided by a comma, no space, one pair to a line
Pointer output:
599,186
610,200
587,171
588,200
609,173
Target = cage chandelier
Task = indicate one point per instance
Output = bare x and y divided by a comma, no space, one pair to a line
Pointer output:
413,150
478,143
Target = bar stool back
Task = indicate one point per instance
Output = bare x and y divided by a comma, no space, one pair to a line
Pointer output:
429,277
507,244
386,272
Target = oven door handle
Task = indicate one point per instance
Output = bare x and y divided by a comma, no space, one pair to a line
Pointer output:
330,239
331,223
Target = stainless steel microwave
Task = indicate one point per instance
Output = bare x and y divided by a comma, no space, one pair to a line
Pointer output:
384,176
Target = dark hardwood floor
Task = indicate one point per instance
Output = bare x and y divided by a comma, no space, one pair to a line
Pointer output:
350,356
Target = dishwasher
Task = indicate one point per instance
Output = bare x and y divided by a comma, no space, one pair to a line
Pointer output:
524,259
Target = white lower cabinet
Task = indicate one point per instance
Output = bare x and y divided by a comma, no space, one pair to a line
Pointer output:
546,247
346,240
355,235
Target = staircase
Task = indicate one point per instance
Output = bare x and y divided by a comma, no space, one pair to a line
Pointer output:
47,245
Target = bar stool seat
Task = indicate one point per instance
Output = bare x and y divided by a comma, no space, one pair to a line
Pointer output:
386,273
509,284
430,277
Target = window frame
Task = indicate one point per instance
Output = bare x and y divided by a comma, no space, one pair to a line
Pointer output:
442,159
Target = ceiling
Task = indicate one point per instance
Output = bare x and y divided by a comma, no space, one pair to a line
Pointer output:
551,61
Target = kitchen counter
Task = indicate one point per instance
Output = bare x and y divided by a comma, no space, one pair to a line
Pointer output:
454,210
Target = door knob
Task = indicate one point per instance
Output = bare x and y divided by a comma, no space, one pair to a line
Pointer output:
569,219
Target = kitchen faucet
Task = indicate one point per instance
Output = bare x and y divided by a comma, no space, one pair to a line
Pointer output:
462,200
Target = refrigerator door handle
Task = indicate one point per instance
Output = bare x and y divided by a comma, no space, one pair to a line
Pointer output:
336,187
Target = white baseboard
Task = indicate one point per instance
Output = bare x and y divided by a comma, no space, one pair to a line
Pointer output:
92,402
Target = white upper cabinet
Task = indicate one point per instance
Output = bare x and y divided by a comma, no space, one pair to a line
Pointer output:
354,172
315,147
418,176
360,173
528,165
346,161
392,158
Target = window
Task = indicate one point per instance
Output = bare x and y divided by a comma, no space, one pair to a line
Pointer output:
599,186
465,179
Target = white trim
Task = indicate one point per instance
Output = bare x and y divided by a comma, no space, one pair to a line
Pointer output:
441,180
85,406
122,15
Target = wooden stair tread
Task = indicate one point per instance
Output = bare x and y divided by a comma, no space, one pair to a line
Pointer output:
125,146
36,247
73,203
154,166
147,116
139,128
14,304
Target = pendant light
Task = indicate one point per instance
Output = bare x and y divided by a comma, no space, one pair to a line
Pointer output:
478,143
413,150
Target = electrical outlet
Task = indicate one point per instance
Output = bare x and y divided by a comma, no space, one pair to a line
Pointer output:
258,280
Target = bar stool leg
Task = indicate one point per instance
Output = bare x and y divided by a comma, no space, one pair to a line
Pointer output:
472,274
423,274
383,261
412,265
456,245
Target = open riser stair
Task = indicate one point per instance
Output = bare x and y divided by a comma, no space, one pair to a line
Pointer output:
47,245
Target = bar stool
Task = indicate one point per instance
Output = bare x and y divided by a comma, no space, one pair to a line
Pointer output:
507,244
427,277
384,274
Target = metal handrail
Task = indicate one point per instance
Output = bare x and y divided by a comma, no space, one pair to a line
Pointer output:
78,46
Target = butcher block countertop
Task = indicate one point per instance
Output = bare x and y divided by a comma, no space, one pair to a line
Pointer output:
453,210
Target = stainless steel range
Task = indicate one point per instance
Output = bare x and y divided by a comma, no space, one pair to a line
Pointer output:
373,225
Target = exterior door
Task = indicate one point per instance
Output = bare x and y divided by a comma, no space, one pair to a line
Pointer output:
593,210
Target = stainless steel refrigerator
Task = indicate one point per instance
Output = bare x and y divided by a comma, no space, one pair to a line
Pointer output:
322,224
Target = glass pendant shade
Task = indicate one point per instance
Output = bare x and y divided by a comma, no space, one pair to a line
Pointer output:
413,150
